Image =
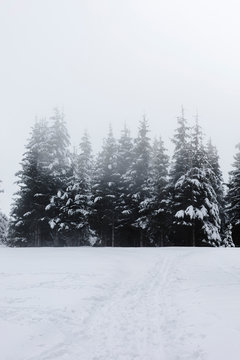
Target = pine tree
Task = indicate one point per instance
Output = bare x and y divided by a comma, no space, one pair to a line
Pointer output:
138,185
125,151
233,197
198,214
217,182
105,192
181,140
179,167
124,162
213,159
84,175
160,194
28,224
61,170
59,156
72,206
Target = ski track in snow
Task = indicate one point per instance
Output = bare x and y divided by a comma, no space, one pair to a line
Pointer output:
119,304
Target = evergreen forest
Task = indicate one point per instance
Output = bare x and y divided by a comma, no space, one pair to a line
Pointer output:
129,194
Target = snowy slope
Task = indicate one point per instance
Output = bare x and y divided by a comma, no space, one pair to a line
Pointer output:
119,304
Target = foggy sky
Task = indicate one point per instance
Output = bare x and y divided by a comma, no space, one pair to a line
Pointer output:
112,61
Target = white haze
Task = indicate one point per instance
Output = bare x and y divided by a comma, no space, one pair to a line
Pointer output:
111,61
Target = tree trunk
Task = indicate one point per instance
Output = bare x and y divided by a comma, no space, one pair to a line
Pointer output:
141,238
113,234
56,239
161,237
193,235
39,236
37,239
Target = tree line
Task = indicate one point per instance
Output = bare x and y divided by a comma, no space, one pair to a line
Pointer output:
129,194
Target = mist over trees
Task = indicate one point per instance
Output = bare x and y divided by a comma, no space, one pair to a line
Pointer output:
130,194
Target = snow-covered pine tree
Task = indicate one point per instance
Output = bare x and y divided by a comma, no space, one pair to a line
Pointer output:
124,161
159,220
217,182
180,166
72,206
196,202
83,200
125,151
138,186
59,156
181,140
84,165
60,167
213,159
233,198
106,192
28,223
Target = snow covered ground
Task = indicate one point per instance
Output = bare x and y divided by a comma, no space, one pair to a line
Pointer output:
119,304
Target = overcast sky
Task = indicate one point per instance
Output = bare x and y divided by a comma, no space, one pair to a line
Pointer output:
111,61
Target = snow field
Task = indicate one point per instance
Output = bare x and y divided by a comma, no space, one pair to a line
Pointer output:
119,304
